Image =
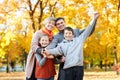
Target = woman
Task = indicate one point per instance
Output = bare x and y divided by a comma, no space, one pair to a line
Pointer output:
49,23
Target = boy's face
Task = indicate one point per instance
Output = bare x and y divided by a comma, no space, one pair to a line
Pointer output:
44,41
60,24
68,35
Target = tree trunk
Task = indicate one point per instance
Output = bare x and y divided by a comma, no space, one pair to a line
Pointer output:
7,68
116,58
100,65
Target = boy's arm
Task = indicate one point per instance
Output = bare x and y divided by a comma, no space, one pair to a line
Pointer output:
41,61
79,32
55,51
90,27
93,29
93,24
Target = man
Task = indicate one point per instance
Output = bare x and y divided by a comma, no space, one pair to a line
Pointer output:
60,25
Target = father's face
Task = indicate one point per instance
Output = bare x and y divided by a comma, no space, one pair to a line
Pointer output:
60,24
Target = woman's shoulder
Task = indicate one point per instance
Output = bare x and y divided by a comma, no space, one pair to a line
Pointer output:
38,31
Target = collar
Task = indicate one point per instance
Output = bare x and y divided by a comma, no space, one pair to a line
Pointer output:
66,41
61,32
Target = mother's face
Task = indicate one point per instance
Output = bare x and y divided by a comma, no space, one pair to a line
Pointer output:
49,25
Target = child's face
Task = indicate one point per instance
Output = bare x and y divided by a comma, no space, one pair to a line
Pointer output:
68,35
50,25
44,41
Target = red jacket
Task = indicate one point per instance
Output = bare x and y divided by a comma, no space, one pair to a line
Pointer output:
45,71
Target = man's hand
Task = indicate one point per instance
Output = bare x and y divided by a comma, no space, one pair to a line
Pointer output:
43,53
63,59
50,56
46,54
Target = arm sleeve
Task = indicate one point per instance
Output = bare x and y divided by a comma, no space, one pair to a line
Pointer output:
56,51
53,44
34,43
93,24
89,29
41,61
81,31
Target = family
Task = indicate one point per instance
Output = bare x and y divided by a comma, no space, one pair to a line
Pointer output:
65,48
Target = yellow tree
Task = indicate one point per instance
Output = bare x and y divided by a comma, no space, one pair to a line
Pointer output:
36,11
24,17
7,48
108,21
2,52
7,15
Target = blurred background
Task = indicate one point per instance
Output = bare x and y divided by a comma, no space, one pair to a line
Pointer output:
19,19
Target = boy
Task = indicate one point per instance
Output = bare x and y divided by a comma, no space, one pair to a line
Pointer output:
72,49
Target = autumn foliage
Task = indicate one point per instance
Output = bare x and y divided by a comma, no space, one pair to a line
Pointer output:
19,19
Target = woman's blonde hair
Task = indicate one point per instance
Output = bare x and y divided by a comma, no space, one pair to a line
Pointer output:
48,20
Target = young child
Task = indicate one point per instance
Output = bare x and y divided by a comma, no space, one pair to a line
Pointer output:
45,69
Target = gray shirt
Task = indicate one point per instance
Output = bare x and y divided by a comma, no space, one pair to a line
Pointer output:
73,49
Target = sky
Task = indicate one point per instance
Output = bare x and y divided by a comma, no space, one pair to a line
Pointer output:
1,1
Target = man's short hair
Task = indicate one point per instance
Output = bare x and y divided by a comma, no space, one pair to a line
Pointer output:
69,29
59,18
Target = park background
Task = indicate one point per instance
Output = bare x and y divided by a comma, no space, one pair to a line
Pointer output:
19,19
